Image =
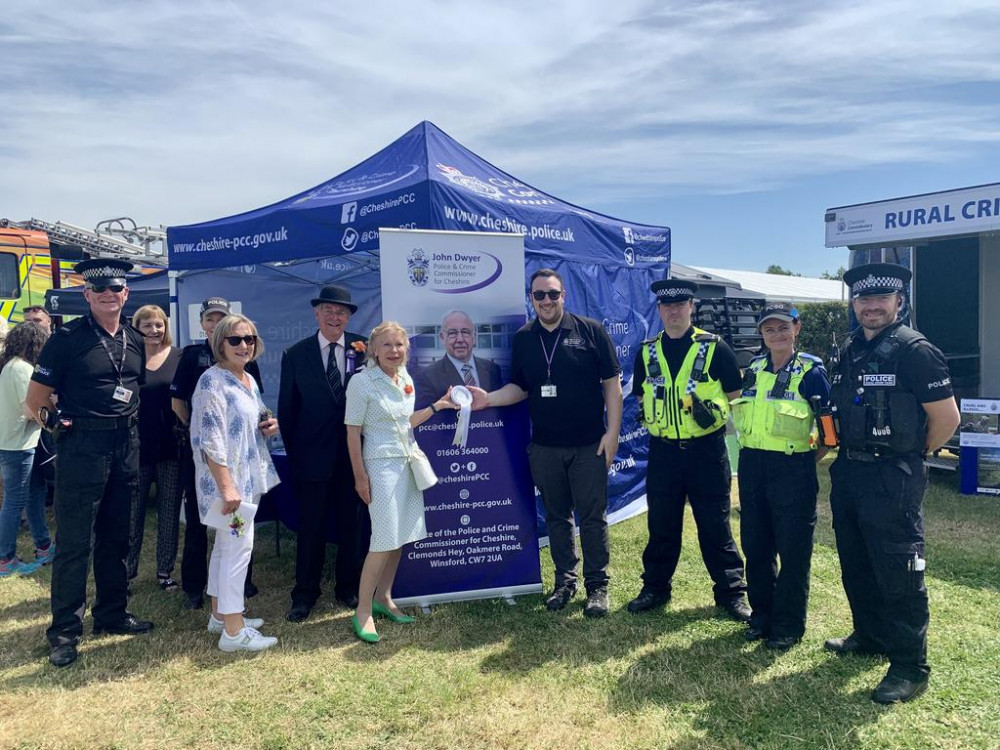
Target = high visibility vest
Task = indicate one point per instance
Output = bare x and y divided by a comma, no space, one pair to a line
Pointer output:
785,424
666,407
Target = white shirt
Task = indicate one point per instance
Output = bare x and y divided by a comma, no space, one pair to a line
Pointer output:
324,352
459,364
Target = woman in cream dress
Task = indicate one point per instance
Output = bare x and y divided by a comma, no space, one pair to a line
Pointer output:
380,407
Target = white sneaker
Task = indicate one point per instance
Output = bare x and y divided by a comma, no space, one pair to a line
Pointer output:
218,626
247,639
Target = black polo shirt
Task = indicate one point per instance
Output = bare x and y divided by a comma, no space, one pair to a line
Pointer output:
81,362
195,359
582,357
723,366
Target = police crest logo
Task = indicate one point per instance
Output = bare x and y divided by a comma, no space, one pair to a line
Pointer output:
418,267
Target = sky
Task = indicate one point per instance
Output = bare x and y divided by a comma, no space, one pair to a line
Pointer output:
736,124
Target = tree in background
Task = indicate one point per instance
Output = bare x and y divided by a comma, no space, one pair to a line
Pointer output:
837,275
779,271
820,321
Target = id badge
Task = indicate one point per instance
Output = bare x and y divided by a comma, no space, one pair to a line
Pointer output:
122,394
548,391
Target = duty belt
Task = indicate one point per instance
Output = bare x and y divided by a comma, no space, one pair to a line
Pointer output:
688,442
104,423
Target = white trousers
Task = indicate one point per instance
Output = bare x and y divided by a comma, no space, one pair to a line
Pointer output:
227,568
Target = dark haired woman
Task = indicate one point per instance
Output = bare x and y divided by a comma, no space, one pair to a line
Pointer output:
23,489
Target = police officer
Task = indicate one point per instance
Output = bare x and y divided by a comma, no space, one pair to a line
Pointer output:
96,363
684,379
894,401
779,448
195,359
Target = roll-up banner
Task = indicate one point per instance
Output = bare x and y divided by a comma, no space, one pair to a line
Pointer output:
460,295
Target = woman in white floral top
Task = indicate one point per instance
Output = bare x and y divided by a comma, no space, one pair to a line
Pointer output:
229,424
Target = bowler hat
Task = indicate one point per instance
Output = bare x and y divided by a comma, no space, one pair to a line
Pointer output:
335,295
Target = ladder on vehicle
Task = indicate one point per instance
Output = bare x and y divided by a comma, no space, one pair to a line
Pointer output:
132,242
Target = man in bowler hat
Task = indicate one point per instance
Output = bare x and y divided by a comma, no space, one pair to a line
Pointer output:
314,376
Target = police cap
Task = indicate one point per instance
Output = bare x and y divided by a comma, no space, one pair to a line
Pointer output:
668,291
215,304
103,271
877,278
779,311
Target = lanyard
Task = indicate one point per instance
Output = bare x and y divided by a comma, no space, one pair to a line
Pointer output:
120,367
549,357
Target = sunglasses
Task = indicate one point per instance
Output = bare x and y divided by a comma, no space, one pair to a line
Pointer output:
101,288
552,294
249,340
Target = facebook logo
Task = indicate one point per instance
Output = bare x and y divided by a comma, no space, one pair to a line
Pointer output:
348,211
629,239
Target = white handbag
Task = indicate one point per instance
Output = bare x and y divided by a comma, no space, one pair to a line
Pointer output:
416,459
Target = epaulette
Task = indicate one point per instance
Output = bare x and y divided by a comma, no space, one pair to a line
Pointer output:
73,325
701,337
654,339
810,358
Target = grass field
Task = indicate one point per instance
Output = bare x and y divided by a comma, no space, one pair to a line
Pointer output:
489,675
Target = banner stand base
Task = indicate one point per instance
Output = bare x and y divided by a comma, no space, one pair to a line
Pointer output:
506,592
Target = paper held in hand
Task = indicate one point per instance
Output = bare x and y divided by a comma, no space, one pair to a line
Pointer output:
215,519
462,398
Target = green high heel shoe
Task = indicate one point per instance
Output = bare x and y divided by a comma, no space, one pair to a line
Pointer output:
383,611
362,634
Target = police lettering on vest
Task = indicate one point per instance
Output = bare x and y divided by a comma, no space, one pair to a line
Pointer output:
876,414
669,405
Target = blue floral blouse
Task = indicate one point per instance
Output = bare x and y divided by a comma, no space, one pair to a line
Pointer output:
224,419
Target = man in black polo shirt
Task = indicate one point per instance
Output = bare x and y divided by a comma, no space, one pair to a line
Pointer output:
96,363
565,365
195,359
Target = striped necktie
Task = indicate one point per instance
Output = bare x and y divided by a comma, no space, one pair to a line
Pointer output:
467,375
333,374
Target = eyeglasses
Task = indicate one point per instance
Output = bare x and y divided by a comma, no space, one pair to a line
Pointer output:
454,333
249,340
552,294
101,288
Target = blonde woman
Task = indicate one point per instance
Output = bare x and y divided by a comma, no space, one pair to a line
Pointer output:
157,449
232,467
380,407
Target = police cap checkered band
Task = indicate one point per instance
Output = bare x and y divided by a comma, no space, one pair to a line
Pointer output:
103,270
877,278
673,290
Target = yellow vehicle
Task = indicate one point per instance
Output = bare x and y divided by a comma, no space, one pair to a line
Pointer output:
26,271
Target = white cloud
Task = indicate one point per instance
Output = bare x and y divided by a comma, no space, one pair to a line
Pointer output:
172,112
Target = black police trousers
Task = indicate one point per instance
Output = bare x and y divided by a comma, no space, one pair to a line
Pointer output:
879,523
777,520
699,471
97,474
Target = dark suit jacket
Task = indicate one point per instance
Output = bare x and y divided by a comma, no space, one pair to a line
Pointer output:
311,422
433,380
